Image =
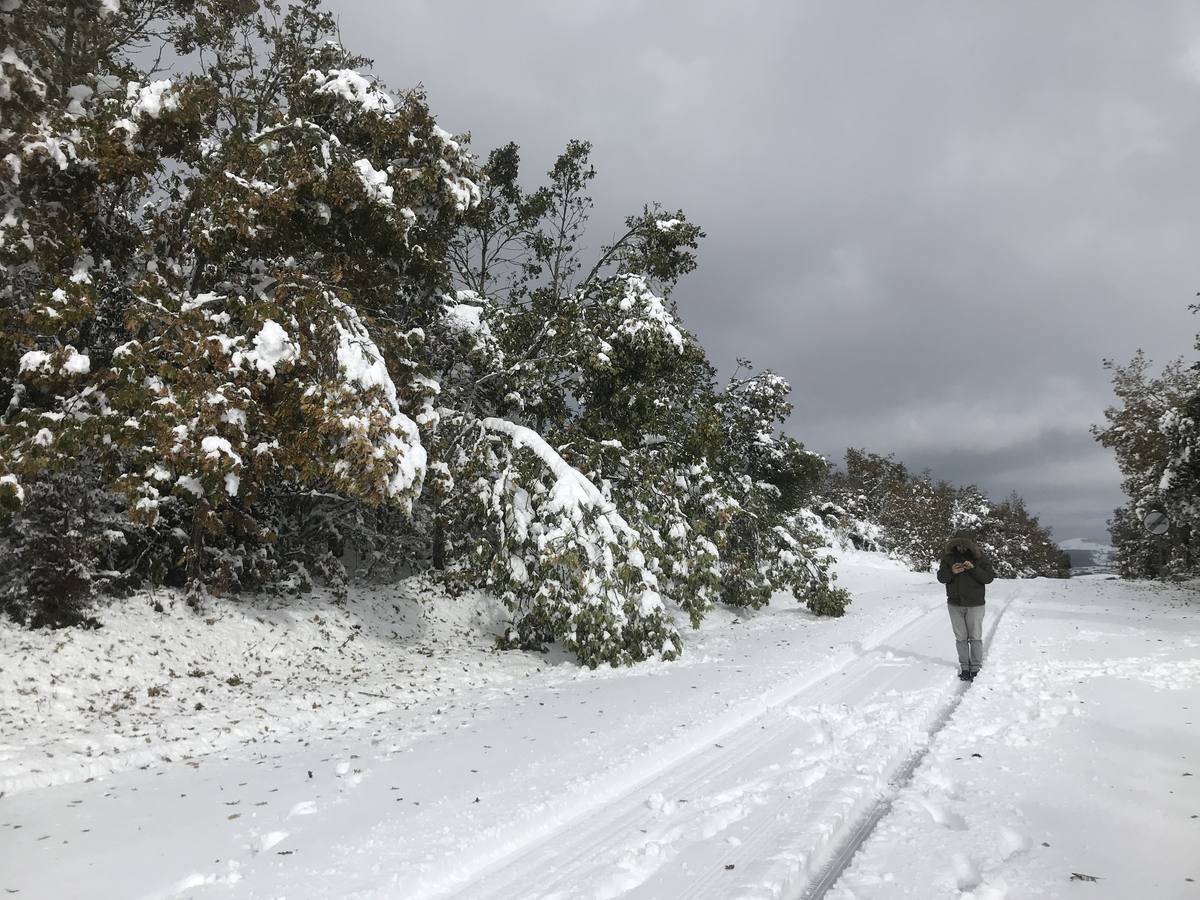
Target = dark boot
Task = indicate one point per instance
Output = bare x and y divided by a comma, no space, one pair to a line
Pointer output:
964,675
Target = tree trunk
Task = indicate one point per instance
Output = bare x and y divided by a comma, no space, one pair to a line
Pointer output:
439,543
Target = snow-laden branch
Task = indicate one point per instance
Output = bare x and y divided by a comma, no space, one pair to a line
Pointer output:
572,491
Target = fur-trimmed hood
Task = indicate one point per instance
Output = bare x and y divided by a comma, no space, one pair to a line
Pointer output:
961,543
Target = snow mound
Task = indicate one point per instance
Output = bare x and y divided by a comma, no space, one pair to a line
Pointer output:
152,687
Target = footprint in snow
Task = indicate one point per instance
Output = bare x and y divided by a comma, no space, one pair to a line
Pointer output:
660,804
966,871
943,816
1012,843
938,778
350,777
808,776
270,839
987,890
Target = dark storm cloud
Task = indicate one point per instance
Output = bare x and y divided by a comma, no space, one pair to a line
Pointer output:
935,219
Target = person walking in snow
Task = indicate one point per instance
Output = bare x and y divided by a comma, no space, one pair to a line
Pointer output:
964,571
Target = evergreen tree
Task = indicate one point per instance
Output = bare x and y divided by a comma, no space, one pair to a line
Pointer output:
1180,483
595,363
214,286
1152,432
1021,547
768,543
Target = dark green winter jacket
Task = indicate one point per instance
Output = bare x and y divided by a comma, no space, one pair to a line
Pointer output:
965,588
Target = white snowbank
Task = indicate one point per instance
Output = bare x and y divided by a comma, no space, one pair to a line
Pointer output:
149,688
1071,755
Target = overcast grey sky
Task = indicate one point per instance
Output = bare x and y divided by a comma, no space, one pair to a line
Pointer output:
935,219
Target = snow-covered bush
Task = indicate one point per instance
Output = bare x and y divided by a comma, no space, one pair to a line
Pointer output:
768,543
556,551
681,512
53,553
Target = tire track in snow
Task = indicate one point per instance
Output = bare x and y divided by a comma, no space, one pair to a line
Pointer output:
475,872
644,832
900,779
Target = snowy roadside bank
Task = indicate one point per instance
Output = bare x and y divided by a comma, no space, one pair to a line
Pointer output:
150,688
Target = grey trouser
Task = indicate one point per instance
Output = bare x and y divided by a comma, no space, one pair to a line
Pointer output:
967,622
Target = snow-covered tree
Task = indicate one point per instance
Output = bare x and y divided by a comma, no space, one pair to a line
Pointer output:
595,362
256,310
766,544
1153,433
1180,482
68,181
881,505
556,550
878,504
1016,540
215,285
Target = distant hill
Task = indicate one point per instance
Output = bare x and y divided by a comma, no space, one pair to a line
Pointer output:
1088,556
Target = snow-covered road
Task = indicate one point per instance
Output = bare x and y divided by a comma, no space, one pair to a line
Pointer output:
749,769
758,807
1071,767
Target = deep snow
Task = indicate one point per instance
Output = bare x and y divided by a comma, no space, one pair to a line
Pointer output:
404,758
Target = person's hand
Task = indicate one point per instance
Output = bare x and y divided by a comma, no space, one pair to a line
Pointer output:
968,565
957,568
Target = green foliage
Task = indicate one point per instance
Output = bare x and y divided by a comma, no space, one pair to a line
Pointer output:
51,556
1139,554
767,544
1017,543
